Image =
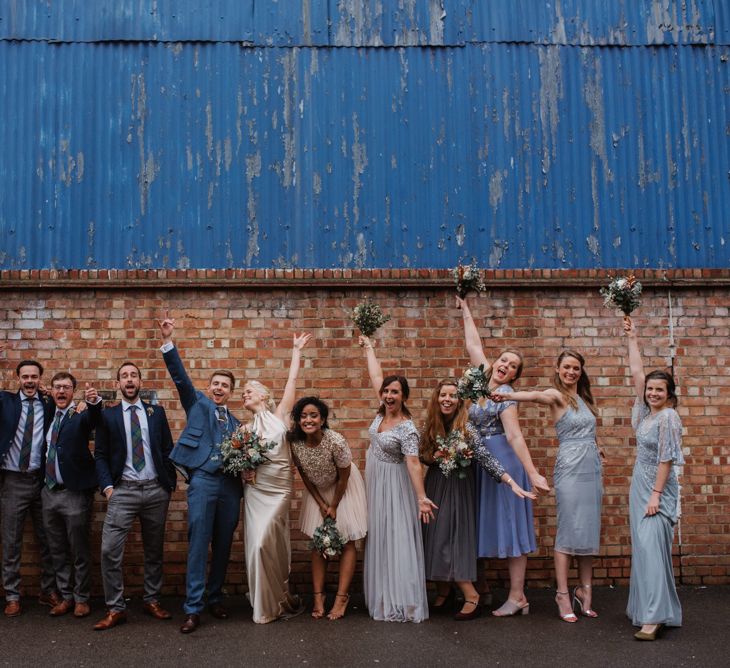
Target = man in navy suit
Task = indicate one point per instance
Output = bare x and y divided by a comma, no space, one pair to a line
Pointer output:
135,474
69,477
24,418
214,498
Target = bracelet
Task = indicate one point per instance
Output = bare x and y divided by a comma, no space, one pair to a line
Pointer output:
657,491
509,481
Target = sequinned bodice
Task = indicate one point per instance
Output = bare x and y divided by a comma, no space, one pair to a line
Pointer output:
486,418
396,443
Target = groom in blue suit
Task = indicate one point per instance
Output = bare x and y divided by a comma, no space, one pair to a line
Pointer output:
214,497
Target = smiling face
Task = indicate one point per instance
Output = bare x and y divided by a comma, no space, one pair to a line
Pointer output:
448,400
569,371
656,394
392,398
29,377
129,382
506,368
310,421
220,389
62,391
253,399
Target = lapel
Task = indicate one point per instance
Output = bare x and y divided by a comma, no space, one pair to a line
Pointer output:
153,423
18,408
118,417
65,419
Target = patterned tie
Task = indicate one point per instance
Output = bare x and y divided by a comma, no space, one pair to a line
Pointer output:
222,419
137,447
27,444
51,480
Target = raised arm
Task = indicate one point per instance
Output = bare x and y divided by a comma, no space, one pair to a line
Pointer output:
290,390
513,433
636,366
374,369
175,366
549,397
471,336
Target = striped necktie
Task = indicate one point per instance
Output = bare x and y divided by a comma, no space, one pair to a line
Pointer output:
51,479
27,443
137,447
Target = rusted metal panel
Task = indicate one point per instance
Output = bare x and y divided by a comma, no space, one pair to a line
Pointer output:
222,154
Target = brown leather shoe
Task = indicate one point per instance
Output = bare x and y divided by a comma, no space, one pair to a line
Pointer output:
156,610
12,609
218,610
62,608
191,623
82,610
51,600
113,618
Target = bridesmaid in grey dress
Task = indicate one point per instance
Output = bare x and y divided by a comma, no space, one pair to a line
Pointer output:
393,569
654,497
449,542
576,476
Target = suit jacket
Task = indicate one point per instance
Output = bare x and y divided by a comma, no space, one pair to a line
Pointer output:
10,412
110,453
201,434
74,458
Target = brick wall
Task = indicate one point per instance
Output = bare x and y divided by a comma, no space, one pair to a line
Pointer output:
89,322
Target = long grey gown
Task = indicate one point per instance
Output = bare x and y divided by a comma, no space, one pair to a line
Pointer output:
578,485
393,569
652,594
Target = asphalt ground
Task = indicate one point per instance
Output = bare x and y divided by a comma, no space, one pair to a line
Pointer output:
539,639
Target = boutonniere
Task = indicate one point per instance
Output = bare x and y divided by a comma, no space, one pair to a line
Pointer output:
71,411
150,411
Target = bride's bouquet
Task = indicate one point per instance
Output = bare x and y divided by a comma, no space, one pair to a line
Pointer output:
474,384
327,539
368,317
623,293
468,279
453,454
244,450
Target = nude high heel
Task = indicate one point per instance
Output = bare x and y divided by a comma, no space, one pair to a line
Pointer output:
586,612
569,617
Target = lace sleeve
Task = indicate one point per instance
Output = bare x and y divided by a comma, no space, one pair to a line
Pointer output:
409,439
503,406
638,412
341,452
670,438
482,455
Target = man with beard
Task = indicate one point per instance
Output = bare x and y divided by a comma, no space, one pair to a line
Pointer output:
68,493
214,497
24,418
135,474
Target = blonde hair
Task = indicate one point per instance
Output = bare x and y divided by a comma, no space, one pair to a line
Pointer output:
262,389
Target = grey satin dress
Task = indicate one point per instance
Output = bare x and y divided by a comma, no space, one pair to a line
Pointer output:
652,593
578,484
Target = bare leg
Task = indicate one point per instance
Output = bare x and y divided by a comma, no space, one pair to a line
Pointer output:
516,600
348,559
319,570
562,565
585,575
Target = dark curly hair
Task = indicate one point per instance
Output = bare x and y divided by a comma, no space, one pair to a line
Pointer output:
296,433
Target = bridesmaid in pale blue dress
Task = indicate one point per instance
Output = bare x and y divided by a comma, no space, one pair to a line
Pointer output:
576,476
393,569
654,497
505,527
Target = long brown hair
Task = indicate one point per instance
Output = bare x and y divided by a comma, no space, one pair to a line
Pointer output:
437,425
405,391
584,383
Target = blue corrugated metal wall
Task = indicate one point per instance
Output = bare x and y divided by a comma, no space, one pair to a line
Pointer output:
239,134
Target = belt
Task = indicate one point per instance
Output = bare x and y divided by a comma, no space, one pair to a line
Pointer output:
36,473
138,483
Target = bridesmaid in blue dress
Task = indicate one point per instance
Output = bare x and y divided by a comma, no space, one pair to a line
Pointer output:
505,527
654,497
393,569
576,476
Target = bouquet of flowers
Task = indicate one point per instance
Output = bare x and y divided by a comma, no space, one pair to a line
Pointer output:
623,293
468,279
327,540
474,384
453,454
244,450
368,317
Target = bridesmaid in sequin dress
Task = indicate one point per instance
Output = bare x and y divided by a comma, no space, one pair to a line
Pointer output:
654,496
576,476
393,570
505,526
334,489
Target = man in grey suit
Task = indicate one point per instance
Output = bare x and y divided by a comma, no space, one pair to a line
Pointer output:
214,497
24,418
132,454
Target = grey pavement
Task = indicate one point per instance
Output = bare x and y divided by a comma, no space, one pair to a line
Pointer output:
539,639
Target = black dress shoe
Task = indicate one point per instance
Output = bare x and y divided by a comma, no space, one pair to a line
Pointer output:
218,610
191,623
467,616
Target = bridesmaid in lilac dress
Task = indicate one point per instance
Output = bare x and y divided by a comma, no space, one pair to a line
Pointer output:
505,524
